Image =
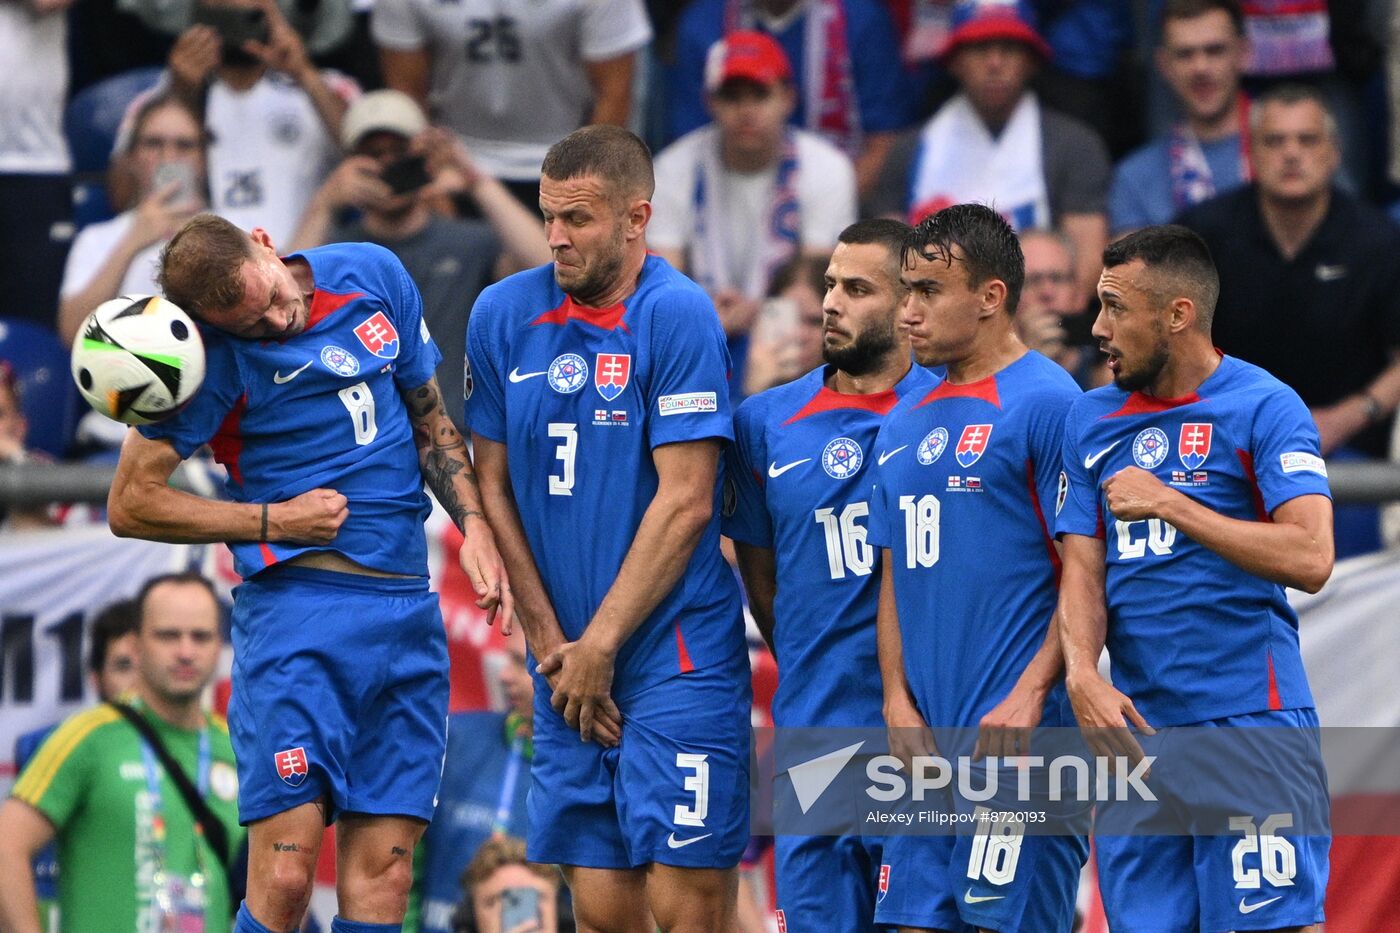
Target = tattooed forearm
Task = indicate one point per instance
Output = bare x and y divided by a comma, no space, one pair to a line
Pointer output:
442,455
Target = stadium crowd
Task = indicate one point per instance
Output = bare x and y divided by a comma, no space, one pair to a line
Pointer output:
421,126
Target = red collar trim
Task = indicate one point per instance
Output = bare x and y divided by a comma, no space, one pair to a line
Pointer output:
830,400
324,304
609,318
985,389
1139,404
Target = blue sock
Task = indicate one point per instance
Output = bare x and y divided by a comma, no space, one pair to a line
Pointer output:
245,922
341,925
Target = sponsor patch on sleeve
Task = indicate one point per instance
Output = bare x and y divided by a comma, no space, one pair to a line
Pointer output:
689,402
1299,462
423,330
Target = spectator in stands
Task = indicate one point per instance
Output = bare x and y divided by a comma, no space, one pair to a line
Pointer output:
112,670
450,260
995,144
1309,285
36,193
851,87
485,781
273,118
129,855
739,197
1200,56
787,338
506,893
166,150
512,79
1050,315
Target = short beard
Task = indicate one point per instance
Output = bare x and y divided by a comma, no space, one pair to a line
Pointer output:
867,352
1144,377
596,283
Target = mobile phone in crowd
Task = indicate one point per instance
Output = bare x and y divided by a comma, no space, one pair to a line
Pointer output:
182,175
235,25
778,322
520,910
407,174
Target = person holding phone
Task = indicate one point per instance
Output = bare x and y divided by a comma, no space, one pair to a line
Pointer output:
273,117
505,893
165,153
397,171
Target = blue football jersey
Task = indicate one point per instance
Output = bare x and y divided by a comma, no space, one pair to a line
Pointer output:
324,409
965,480
1191,636
580,397
799,468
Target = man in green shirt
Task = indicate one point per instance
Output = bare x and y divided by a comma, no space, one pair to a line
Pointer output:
129,855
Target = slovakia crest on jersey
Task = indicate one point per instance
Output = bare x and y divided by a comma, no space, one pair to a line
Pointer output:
972,444
567,373
611,371
842,458
1150,448
1193,446
378,335
291,765
932,446
884,882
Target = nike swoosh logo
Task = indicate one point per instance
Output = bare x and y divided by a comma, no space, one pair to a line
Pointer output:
674,843
280,379
774,471
517,376
880,460
1251,908
970,898
1090,461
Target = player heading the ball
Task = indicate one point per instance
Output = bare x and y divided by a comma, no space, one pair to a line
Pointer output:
320,401
598,411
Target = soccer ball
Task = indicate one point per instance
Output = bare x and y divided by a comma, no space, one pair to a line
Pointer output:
138,359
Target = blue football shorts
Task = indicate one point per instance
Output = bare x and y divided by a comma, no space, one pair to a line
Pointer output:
1259,876
675,791
340,691
827,882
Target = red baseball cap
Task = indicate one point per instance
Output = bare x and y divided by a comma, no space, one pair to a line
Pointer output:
976,21
753,56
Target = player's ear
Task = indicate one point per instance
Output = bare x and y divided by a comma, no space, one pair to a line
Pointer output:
261,237
1181,315
638,216
993,297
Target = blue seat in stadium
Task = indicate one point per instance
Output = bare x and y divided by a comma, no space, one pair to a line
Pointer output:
90,122
47,393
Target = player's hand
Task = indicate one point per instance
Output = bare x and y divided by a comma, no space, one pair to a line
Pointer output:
1135,494
314,517
1103,713
484,567
1005,731
194,57
910,737
583,685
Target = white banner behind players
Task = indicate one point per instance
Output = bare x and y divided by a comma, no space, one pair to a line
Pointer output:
51,584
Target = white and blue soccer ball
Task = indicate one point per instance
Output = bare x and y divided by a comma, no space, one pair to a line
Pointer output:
138,359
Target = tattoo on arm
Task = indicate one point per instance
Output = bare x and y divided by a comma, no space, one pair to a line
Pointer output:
442,454
285,847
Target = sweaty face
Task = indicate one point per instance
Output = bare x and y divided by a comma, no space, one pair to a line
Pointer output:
1130,327
993,74
1293,154
1201,58
273,305
587,232
862,300
179,640
941,309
